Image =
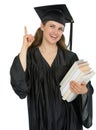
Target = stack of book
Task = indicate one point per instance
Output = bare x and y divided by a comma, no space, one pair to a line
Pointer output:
80,71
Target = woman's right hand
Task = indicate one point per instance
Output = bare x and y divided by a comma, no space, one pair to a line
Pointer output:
27,39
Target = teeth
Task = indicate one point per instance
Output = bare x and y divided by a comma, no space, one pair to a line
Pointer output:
53,36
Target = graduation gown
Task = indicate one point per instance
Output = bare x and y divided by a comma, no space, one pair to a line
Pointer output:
40,83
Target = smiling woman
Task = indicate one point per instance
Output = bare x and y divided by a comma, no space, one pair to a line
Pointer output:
37,71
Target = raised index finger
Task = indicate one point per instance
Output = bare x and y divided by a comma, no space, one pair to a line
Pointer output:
25,30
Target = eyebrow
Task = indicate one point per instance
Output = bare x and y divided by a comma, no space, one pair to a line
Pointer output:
55,25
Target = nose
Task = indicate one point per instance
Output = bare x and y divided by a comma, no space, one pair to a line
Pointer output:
56,31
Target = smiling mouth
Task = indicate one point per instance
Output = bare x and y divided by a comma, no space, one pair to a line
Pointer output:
53,37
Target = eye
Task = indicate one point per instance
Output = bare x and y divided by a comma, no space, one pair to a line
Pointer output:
52,26
61,29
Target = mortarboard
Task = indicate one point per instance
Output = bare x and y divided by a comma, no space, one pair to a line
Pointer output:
58,13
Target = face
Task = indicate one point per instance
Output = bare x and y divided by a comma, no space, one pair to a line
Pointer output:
52,31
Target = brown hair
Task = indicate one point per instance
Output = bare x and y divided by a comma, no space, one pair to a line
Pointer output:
39,36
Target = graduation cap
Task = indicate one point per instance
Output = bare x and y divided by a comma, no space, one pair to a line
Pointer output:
58,13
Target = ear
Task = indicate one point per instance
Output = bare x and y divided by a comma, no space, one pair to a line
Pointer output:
42,26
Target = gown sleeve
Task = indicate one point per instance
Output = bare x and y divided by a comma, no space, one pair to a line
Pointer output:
18,78
87,109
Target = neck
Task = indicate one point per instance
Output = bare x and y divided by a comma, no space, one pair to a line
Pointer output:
48,47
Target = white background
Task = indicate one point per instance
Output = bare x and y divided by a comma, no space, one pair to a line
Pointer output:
14,15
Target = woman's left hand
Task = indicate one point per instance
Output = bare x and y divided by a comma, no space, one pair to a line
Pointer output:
78,88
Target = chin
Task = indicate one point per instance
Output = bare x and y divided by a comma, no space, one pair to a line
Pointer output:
53,41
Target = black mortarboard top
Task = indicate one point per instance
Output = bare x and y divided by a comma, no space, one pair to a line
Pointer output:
58,13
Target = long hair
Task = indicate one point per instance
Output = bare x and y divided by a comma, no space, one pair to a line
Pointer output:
39,36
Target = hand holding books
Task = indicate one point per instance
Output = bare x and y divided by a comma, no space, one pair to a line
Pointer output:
78,88
80,71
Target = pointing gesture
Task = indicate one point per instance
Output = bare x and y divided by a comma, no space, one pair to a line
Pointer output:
27,39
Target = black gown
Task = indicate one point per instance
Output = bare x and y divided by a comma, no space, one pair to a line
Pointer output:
40,83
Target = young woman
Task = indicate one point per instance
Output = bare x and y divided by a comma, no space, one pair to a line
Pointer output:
38,69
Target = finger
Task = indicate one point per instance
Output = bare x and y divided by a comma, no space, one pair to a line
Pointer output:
75,87
25,30
75,90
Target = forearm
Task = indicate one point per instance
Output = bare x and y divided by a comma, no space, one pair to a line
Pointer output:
22,57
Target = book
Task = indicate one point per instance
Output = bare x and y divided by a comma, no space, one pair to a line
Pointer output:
80,71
